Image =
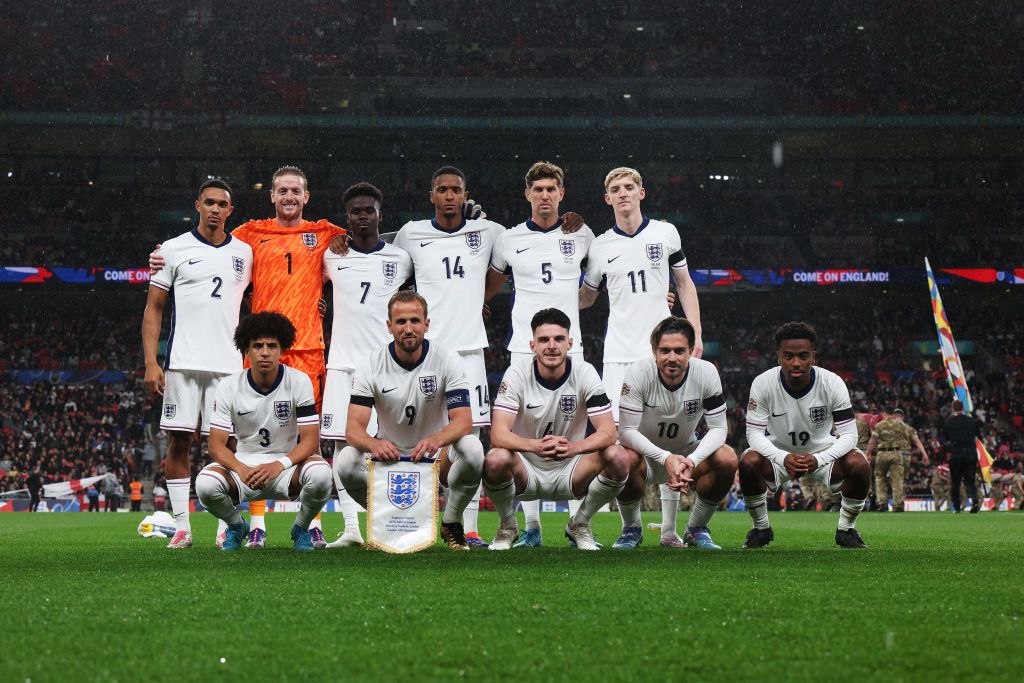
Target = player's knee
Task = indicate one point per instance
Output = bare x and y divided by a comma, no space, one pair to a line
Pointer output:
178,444
857,466
210,484
750,462
727,460
616,461
316,476
471,451
498,464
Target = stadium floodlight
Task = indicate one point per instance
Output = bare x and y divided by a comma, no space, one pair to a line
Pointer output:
626,96
639,28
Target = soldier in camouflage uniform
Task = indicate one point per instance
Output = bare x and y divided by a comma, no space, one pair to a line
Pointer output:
890,438
940,487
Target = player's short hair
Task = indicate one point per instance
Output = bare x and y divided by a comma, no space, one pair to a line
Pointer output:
407,296
544,169
633,174
266,325
958,405
550,316
447,170
674,325
795,330
219,184
362,189
290,170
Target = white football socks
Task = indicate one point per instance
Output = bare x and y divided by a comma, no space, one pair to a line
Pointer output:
701,513
669,509
600,492
848,511
503,496
177,491
315,481
630,513
212,490
757,506
531,510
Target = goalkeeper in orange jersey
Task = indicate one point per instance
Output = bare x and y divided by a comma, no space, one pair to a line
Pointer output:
287,278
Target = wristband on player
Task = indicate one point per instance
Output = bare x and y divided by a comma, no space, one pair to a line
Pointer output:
285,461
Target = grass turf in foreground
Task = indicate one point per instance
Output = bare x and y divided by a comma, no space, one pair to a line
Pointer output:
936,597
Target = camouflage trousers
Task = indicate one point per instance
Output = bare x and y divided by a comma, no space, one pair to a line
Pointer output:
891,463
940,491
1000,482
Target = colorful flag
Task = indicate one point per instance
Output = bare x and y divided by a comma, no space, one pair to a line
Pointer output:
954,368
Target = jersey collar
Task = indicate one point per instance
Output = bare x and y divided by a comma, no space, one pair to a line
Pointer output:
552,386
622,232
806,390
380,245
530,225
405,366
674,387
198,236
277,382
448,231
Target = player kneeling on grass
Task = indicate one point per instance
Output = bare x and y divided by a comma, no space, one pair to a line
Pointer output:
790,416
663,399
421,396
270,409
538,431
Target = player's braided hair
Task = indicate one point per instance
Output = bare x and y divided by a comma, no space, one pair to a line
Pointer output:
362,189
550,316
795,330
266,325
217,183
674,325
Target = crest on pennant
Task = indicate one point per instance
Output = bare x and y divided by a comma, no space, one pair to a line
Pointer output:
474,240
390,269
282,409
428,385
238,264
691,408
818,415
327,419
567,247
170,410
567,403
654,252
309,239
403,489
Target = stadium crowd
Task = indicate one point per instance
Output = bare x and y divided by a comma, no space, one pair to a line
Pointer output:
315,56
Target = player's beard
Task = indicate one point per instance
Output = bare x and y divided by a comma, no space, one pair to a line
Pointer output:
410,345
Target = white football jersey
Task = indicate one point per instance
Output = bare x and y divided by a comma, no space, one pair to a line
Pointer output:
412,402
798,423
561,408
545,266
451,274
206,283
266,424
670,415
363,284
637,271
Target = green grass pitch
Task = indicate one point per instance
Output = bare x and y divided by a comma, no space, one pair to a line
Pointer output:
937,597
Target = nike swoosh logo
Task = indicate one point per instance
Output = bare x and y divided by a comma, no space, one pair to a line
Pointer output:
520,251
612,259
343,267
779,415
529,407
483,413
192,262
648,405
384,391
266,240
423,244
245,413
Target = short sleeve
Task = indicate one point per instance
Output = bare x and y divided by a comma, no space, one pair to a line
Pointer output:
510,391
362,386
454,374
712,396
758,408
499,262
632,392
594,393
223,405
594,275
842,409
305,403
165,278
401,238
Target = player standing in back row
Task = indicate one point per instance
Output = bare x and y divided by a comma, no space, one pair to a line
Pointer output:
638,261
790,416
205,277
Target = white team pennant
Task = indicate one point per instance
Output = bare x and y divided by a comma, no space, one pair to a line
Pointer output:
401,505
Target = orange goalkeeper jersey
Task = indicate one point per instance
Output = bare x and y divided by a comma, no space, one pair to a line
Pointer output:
287,273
